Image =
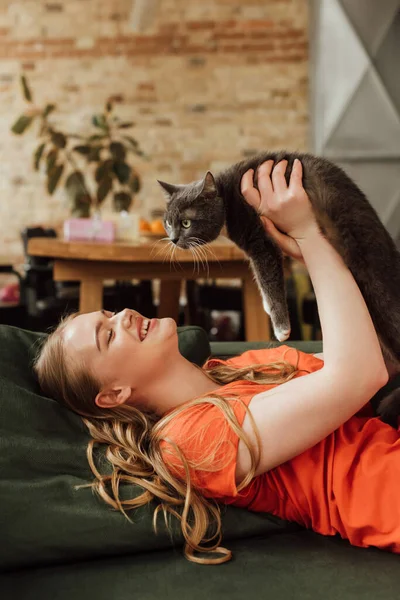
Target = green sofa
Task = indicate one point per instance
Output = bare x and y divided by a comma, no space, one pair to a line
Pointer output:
58,543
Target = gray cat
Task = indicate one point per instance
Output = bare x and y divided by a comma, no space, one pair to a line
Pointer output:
197,212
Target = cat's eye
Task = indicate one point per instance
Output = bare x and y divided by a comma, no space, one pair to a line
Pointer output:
167,223
186,223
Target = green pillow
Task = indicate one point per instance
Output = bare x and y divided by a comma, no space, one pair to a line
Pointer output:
43,519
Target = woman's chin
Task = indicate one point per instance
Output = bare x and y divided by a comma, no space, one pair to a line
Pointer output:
170,324
166,326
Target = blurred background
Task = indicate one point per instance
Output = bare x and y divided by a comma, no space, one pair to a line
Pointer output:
197,86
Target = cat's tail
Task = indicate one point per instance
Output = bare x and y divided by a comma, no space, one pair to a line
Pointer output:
389,408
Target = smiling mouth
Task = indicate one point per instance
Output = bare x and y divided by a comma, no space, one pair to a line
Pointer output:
145,328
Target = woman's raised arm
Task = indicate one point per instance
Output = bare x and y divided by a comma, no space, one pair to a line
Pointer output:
296,415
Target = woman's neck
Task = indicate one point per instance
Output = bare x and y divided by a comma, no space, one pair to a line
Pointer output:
177,385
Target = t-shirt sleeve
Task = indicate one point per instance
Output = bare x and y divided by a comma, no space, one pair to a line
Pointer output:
204,436
209,444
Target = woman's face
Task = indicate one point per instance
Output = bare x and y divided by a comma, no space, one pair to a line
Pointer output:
112,348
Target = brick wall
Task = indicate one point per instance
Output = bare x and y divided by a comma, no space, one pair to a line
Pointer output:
208,84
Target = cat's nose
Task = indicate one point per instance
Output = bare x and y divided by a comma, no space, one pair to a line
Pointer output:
175,240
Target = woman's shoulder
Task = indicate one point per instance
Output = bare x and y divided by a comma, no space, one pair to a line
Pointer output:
203,435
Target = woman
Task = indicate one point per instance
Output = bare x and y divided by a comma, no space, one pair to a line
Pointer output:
195,438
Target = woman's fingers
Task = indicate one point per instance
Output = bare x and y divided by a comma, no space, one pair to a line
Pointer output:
248,190
264,178
296,174
287,244
278,177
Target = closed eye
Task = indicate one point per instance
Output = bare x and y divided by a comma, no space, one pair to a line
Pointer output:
108,314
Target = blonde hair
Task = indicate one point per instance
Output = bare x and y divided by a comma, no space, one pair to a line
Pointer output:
133,441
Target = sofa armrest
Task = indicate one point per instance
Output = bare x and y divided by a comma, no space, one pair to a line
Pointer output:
228,349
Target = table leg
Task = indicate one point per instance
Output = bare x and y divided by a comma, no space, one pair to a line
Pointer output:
91,295
256,321
169,299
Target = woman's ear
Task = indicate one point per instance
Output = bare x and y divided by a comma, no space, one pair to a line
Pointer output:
113,397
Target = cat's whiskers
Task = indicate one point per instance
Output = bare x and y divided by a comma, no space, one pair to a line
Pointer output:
196,247
205,248
169,251
174,261
199,253
208,248
202,252
166,252
193,253
195,250
163,246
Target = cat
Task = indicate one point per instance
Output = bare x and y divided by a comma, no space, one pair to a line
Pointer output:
197,212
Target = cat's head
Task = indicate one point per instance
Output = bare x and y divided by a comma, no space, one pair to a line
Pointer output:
195,213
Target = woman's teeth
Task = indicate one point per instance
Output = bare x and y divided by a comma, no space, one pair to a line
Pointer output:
144,328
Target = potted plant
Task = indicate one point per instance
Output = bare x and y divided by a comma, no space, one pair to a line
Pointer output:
92,166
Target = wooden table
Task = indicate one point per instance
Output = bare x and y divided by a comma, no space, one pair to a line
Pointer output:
91,263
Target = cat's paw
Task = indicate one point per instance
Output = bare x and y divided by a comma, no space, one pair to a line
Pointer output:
281,334
266,307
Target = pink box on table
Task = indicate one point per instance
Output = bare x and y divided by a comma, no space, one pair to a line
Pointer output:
86,230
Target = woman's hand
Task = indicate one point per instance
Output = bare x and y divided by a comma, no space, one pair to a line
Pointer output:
287,244
280,206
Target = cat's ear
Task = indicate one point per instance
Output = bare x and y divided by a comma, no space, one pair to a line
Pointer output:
168,189
209,188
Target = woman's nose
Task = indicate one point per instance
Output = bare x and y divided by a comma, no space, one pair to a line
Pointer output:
128,314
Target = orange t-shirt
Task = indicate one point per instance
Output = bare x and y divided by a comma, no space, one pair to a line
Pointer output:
349,483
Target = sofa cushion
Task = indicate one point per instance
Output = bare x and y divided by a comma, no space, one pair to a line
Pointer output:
43,519
299,565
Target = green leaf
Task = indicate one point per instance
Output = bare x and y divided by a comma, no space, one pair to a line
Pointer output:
75,184
43,128
122,171
38,155
96,137
48,109
54,177
135,184
131,140
100,121
25,89
142,154
122,201
104,188
21,124
118,151
82,149
81,206
58,139
94,154
76,191
103,169
126,125
51,159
